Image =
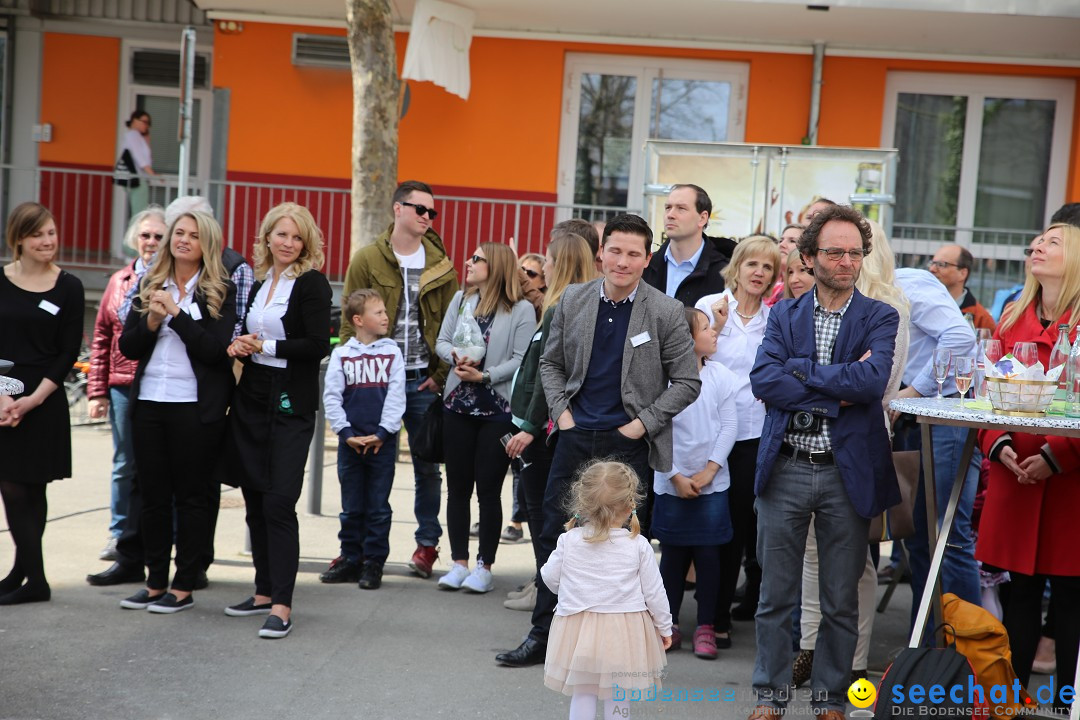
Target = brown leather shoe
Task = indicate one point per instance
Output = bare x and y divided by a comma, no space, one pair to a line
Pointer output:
831,715
766,712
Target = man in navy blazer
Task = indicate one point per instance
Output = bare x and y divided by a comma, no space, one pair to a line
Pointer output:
821,370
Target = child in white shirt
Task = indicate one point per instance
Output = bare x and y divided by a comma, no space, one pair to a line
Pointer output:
691,517
612,623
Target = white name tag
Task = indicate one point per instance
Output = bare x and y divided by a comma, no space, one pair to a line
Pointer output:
49,307
640,339
194,312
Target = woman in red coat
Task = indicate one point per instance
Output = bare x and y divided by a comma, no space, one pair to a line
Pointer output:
1029,520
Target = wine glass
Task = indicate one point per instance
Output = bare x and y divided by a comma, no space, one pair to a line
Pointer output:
965,370
942,362
989,351
1026,352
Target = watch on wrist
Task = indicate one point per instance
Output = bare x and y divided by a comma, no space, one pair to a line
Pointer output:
485,377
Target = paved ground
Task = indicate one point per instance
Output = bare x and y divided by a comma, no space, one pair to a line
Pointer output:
405,651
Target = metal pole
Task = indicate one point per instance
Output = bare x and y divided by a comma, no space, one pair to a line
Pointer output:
815,92
187,84
318,450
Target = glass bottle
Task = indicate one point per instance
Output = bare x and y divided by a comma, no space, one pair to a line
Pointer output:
1060,356
1072,391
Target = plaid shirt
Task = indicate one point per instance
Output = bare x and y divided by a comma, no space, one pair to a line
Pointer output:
826,330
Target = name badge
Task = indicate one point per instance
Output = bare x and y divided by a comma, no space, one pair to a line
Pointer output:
194,312
49,307
640,339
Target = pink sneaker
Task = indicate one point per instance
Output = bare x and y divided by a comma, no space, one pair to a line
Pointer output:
705,642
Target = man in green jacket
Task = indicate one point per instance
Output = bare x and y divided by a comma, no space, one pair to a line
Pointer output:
408,266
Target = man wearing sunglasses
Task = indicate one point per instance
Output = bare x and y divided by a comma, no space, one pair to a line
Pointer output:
822,370
408,266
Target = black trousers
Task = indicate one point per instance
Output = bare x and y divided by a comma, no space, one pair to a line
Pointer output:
1023,622
175,453
531,491
275,543
742,463
575,448
474,458
675,563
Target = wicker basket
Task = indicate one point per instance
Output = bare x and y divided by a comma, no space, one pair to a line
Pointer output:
1023,398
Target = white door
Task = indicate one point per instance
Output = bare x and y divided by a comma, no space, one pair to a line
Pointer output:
612,104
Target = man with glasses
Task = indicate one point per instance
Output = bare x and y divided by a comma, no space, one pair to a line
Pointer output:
952,266
822,370
408,266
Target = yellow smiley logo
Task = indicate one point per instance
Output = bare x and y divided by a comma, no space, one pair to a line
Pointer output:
862,693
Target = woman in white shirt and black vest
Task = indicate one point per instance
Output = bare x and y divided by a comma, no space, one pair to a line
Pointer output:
286,335
178,329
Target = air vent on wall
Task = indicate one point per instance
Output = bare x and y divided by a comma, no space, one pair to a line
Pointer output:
320,50
162,68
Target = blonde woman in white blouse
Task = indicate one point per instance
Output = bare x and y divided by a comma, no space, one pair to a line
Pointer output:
740,316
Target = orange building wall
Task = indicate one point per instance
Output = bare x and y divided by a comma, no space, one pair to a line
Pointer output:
79,94
296,121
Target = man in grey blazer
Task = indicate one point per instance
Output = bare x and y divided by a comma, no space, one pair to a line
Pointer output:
606,403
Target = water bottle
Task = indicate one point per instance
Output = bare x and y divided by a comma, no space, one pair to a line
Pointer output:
1060,356
1072,370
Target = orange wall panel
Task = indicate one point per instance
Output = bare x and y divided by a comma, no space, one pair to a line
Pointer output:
79,93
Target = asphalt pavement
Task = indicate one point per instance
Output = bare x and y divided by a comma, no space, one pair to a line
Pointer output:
407,650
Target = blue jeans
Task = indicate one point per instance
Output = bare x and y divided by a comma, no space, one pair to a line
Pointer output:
365,516
959,571
797,491
123,472
426,475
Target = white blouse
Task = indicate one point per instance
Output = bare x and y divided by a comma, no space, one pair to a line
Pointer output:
168,376
704,431
264,319
736,349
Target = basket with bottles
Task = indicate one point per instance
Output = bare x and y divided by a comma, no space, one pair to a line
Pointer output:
1019,388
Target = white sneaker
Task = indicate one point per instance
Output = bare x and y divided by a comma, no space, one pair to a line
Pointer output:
453,579
479,580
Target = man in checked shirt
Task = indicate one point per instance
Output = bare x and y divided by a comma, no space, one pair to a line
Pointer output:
821,370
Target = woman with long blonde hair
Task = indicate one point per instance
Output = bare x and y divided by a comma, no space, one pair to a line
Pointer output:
569,260
1036,476
272,420
477,406
178,330
877,280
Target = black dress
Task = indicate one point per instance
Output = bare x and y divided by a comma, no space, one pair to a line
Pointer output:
41,332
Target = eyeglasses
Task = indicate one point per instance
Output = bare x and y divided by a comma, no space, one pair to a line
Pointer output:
942,264
423,210
835,254
531,273
477,259
146,236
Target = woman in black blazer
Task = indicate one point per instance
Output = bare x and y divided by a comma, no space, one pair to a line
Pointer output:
287,334
179,329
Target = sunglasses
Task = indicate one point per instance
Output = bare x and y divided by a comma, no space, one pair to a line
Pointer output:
423,210
477,259
531,273
146,236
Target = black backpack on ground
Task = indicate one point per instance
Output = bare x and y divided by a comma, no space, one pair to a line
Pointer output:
927,667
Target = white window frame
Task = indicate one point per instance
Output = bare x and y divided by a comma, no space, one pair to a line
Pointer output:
977,88
646,70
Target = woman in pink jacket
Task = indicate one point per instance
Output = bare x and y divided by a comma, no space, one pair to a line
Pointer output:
111,373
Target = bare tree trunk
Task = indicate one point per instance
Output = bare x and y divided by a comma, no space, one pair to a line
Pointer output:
375,117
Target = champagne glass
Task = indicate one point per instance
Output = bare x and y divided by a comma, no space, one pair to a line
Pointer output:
942,361
989,351
965,370
519,461
1026,352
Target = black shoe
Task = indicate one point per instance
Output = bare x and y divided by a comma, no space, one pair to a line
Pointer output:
117,574
248,608
275,628
371,575
530,652
168,604
140,600
340,571
27,594
201,581
744,611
